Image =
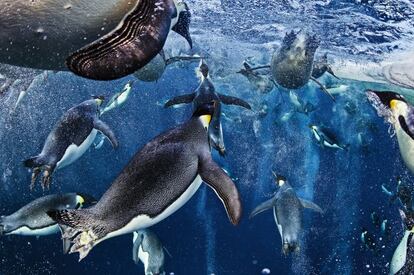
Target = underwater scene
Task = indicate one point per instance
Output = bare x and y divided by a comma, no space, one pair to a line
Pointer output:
206,137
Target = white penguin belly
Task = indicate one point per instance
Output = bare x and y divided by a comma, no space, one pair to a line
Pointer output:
406,144
73,152
279,226
26,231
144,221
144,257
400,254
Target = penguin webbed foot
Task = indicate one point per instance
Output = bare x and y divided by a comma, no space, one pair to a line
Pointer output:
46,177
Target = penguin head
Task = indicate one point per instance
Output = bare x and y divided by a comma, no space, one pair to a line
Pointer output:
387,99
98,99
206,111
280,180
313,127
203,69
84,200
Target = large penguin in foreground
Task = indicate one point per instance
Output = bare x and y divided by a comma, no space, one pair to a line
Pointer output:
287,212
396,110
402,262
158,180
149,250
205,93
70,138
32,220
41,34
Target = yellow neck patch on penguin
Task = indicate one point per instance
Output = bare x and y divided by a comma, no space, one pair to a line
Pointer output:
280,183
80,200
99,101
205,120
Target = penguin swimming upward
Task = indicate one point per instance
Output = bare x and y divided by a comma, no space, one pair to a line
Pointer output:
287,212
158,181
69,140
32,220
326,138
149,250
206,93
397,111
402,262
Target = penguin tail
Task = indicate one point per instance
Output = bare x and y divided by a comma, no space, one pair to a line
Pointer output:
33,162
80,231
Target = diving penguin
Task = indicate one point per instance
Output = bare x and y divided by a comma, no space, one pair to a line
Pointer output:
287,212
156,67
72,135
158,180
326,138
398,112
402,262
118,99
404,194
149,250
32,220
36,30
206,93
321,66
262,82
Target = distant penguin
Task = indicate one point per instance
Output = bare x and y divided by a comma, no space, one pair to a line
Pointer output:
263,83
397,111
158,181
404,194
118,99
375,219
206,93
69,140
321,66
386,229
149,250
32,220
402,262
292,64
287,212
326,138
299,105
368,240
156,67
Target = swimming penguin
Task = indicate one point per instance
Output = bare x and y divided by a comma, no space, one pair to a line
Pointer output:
149,250
402,262
118,99
326,138
375,219
32,220
368,240
301,106
158,181
321,67
71,137
206,93
386,229
287,212
404,194
156,67
263,83
292,64
36,30
397,111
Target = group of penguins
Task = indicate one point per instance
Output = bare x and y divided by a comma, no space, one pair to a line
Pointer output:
165,173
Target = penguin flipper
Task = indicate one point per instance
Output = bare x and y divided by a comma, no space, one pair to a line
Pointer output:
183,25
139,37
104,129
323,88
310,205
181,99
224,187
231,100
263,207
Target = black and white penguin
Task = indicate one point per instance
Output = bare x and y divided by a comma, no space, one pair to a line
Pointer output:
326,138
32,220
70,139
397,111
287,212
321,66
158,181
261,82
205,93
149,250
134,43
402,262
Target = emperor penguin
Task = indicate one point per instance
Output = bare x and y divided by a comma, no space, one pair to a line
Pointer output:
400,113
149,250
402,262
326,138
71,137
287,213
32,220
205,93
103,40
157,181
118,99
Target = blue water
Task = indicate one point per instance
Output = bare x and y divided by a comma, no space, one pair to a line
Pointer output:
199,237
